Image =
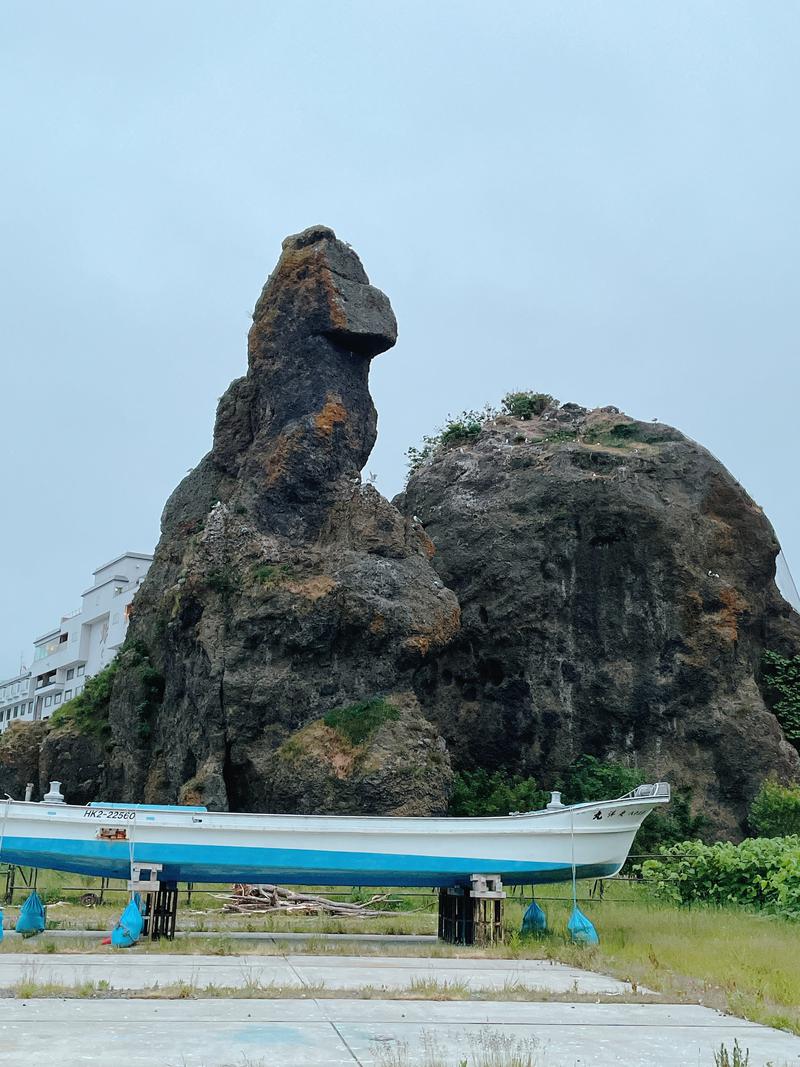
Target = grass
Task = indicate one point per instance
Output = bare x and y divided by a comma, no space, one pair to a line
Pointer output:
29,988
488,1048
739,961
357,722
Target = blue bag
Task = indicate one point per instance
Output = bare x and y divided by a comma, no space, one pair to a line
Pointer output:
129,927
1,924
581,929
32,917
534,921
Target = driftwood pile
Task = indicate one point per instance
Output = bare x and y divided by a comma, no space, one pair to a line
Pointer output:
269,899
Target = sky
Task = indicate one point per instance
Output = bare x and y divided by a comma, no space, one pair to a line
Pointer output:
597,200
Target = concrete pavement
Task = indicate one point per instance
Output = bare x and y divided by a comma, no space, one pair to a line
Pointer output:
324,1033
122,971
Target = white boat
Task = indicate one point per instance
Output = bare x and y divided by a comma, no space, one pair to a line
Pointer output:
193,844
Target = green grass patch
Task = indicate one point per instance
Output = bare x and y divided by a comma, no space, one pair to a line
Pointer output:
560,436
223,580
357,722
88,711
272,574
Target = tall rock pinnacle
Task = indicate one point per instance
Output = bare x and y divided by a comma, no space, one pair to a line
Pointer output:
302,418
282,588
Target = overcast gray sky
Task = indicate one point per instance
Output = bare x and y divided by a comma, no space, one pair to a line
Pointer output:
598,200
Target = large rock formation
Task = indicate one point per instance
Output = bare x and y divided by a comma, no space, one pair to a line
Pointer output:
282,587
598,585
617,595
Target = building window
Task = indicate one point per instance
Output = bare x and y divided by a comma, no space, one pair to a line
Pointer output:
48,701
63,638
30,707
56,698
68,695
79,671
70,673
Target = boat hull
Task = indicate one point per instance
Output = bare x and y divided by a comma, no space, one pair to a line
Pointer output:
188,863
194,846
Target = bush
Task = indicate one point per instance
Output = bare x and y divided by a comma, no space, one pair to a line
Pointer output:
456,430
525,405
270,574
775,811
588,778
223,581
481,793
782,681
357,721
88,711
761,872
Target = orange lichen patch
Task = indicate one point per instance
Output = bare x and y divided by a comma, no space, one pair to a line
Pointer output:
428,547
378,625
335,307
303,281
276,460
437,635
723,542
312,588
333,414
418,644
726,621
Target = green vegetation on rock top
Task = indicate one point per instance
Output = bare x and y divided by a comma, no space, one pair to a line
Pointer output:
88,711
524,405
357,721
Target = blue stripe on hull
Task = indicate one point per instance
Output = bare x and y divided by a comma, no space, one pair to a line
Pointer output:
223,863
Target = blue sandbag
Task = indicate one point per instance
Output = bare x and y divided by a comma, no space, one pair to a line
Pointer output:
1,924
32,917
581,929
129,927
534,921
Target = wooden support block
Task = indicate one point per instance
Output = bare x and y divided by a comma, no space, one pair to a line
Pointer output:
487,887
139,886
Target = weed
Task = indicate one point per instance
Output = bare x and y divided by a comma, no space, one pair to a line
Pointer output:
737,1058
223,581
457,430
357,721
272,574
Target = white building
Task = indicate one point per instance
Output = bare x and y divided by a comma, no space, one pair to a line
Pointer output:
83,643
15,699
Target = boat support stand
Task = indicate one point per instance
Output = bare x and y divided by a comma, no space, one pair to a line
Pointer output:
472,914
161,900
